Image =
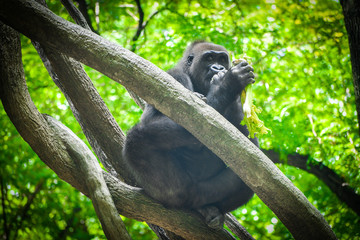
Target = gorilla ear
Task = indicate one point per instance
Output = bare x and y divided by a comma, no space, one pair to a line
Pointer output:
189,60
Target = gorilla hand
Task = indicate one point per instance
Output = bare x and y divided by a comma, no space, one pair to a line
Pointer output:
241,75
216,79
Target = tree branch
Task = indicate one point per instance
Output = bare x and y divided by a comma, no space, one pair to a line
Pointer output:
112,224
234,225
337,184
95,119
75,14
142,24
302,219
71,72
141,20
83,7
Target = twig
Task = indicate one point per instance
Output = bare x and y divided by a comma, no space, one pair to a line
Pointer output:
239,230
142,24
141,20
75,14
83,7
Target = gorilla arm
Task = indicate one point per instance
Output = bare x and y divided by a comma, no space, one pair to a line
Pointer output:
227,85
157,131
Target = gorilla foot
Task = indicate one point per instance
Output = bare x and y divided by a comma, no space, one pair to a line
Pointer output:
213,217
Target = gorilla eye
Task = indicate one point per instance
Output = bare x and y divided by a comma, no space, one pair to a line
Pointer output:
209,58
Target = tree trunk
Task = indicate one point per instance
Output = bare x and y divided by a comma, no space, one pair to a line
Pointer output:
351,10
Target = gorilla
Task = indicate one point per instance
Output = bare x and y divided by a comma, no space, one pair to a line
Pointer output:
170,164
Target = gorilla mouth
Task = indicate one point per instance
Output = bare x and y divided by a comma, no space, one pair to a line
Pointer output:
209,76
216,76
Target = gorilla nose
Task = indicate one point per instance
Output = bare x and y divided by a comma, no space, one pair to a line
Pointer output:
217,68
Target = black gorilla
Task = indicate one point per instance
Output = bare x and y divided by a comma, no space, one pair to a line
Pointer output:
169,163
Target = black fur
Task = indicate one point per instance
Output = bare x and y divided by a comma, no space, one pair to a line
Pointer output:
169,163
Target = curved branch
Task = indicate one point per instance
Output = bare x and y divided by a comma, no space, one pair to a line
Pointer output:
83,7
95,119
141,21
75,14
302,219
111,222
337,184
142,24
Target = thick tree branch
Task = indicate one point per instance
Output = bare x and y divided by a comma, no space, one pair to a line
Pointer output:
96,121
23,113
336,183
49,146
80,20
302,219
112,224
72,80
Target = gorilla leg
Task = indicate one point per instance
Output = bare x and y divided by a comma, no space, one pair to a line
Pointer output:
157,171
219,195
214,215
221,187
238,198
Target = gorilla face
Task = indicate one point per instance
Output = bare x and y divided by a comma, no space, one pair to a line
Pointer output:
206,60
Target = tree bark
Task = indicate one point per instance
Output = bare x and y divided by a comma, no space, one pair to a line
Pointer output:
302,219
351,10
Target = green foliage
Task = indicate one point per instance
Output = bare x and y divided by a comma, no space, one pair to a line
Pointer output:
300,54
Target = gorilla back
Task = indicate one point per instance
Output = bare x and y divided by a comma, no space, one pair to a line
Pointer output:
170,164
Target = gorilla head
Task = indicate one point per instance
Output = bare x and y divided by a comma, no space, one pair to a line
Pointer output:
201,61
